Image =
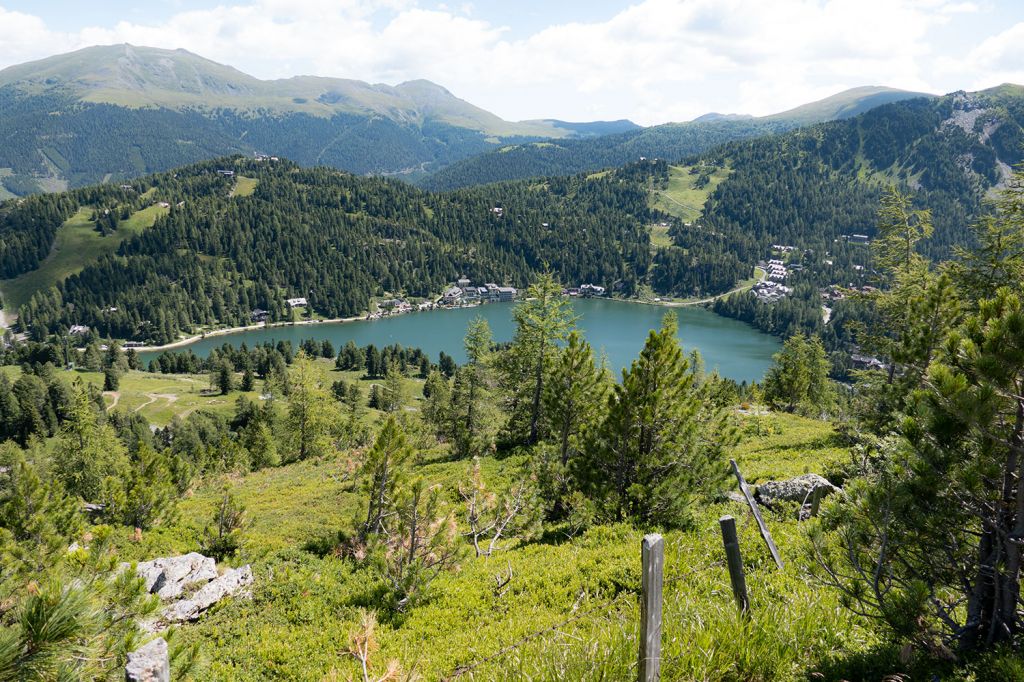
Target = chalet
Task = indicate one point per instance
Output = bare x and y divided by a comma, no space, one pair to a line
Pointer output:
452,295
164,204
78,330
770,292
259,315
133,344
866,362
226,173
588,290
297,302
498,211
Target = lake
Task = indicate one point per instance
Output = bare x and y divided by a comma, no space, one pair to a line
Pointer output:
616,328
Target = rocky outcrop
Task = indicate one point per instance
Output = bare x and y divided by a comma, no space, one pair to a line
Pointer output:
231,583
151,663
169,577
797,489
191,583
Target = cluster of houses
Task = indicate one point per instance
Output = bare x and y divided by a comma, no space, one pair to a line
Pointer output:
585,291
776,270
464,293
265,157
769,291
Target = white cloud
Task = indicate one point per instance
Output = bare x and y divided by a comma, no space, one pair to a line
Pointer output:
654,61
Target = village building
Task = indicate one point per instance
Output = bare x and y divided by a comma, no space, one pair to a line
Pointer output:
297,302
78,330
507,294
588,290
770,292
452,296
259,315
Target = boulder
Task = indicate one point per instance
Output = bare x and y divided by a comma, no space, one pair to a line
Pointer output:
231,583
151,663
797,489
169,577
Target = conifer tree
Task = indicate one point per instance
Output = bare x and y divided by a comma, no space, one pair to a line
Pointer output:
311,414
542,320
87,450
652,456
383,471
798,376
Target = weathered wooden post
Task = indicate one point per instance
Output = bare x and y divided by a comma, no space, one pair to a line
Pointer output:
653,566
752,503
735,562
816,495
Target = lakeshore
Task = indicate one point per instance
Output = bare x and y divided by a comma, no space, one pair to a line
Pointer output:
614,328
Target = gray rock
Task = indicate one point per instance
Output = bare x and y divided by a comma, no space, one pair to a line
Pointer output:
151,663
793,490
231,583
169,577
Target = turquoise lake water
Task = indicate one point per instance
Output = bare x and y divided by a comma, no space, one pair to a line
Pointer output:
616,328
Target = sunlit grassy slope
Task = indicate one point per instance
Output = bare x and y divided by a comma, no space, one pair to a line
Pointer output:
77,244
582,585
682,198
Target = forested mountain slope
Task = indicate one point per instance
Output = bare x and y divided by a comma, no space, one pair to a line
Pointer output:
334,238
813,189
671,141
120,111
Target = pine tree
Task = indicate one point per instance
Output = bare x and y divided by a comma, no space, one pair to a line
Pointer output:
653,453
798,376
383,471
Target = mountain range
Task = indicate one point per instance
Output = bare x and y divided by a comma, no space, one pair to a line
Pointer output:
115,112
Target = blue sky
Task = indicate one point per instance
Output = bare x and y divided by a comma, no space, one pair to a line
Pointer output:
648,60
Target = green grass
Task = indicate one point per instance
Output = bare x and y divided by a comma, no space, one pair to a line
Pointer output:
77,244
681,198
306,603
659,237
244,186
161,397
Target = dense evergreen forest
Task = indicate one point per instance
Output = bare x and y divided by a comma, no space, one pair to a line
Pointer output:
813,188
333,238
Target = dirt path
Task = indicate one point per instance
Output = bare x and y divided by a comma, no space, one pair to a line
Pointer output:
153,397
116,395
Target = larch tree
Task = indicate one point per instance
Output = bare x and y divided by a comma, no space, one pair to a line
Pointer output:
543,320
311,413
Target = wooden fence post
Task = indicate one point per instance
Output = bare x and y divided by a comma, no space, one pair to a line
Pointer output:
816,495
652,565
752,503
734,559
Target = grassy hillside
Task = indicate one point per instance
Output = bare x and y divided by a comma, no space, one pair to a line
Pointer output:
684,197
77,244
307,604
